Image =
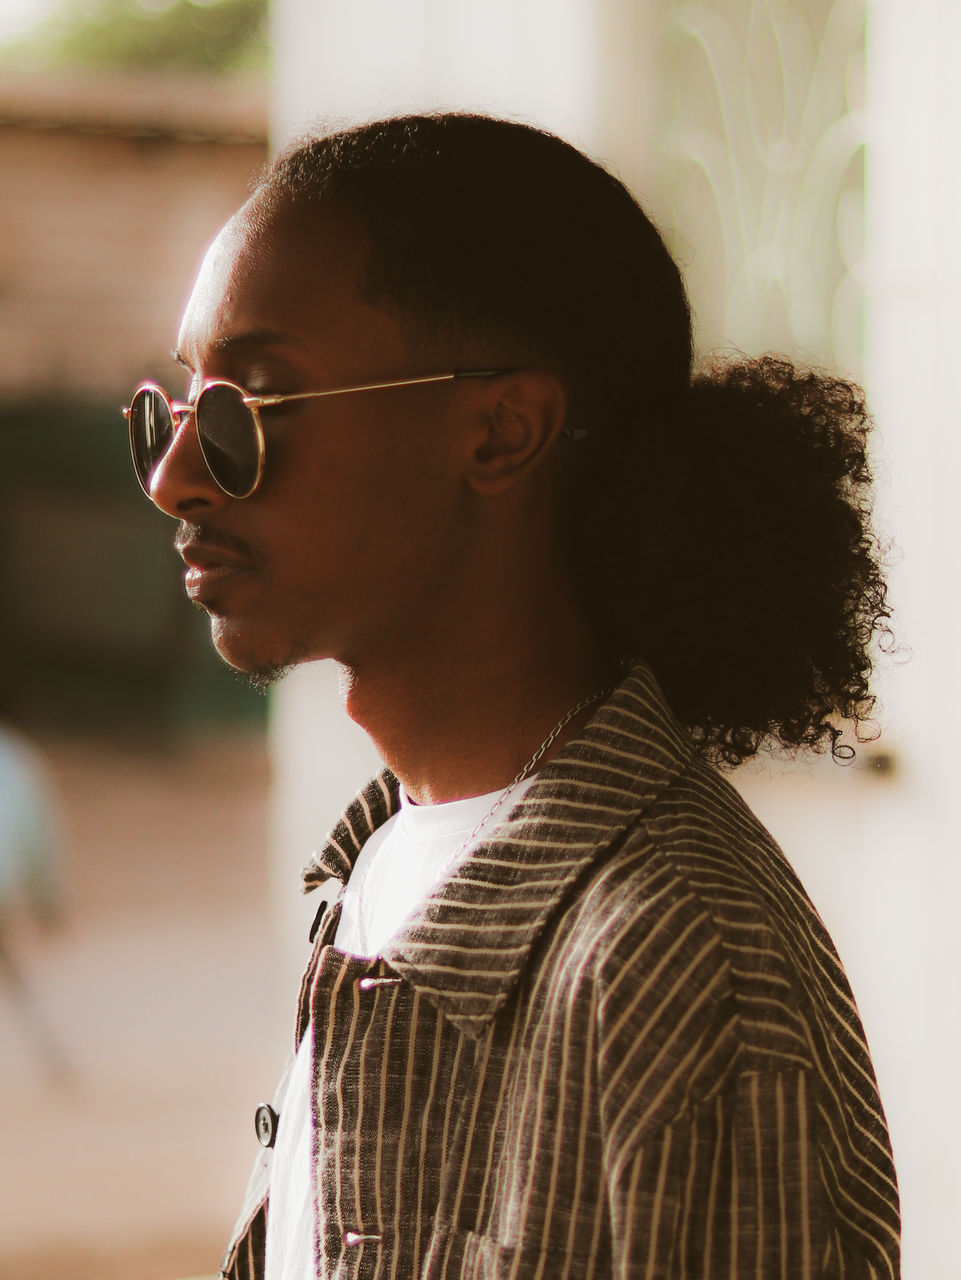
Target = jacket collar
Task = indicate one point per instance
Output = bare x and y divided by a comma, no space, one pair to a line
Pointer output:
467,946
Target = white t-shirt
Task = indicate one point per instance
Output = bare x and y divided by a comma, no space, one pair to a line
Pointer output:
395,871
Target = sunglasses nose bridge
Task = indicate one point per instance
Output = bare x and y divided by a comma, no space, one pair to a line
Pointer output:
180,413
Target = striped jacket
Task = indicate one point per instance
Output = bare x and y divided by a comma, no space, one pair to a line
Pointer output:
615,1042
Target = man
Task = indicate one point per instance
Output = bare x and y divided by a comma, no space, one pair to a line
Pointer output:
572,1014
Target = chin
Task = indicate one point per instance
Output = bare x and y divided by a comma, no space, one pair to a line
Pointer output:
258,663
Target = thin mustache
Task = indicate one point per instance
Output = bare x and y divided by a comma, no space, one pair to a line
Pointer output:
191,534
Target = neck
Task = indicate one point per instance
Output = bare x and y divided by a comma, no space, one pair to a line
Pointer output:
462,715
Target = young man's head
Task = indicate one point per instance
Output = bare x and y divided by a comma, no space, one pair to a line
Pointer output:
411,247
717,527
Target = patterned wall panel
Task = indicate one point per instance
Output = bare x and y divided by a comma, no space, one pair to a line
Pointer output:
761,171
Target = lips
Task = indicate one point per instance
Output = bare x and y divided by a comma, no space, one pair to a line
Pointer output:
204,582
211,568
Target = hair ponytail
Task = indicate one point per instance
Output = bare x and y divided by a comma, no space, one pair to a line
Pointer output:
744,566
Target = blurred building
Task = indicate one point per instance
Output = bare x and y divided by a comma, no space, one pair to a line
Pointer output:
153,1002
111,187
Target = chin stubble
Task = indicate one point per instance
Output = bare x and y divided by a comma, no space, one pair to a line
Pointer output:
264,678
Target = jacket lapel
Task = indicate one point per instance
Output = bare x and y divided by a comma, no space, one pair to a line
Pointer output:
371,808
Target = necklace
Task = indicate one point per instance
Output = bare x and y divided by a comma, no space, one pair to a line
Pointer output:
498,804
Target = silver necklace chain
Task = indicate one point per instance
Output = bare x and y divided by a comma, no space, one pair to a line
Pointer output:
512,786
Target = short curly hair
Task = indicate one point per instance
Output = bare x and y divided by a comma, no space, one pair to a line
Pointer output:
718,523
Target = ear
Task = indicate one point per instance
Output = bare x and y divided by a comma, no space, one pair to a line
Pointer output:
525,415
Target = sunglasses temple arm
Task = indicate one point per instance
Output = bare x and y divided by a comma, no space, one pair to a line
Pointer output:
264,402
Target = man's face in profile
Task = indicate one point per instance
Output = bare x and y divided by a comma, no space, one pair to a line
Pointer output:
352,529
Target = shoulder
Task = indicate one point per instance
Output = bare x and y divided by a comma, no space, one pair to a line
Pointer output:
693,942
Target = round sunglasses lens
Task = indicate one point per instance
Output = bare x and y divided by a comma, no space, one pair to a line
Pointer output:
229,439
151,431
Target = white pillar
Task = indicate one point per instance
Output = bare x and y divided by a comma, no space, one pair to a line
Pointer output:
913,341
534,59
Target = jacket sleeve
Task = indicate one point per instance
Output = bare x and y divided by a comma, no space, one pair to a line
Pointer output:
729,1189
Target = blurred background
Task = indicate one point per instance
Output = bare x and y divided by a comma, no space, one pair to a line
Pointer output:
800,156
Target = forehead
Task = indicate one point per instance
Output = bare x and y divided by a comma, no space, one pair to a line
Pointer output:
295,272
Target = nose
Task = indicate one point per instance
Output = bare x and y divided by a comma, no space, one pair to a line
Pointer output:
181,482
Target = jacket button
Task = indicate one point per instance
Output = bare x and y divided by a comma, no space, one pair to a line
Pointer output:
266,1121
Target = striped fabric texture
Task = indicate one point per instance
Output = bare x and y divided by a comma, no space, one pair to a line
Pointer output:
616,1042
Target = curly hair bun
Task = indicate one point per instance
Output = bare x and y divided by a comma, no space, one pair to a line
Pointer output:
757,590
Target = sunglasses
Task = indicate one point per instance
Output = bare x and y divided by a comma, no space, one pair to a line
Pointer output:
229,427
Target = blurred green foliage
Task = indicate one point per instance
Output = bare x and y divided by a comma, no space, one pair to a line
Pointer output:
201,35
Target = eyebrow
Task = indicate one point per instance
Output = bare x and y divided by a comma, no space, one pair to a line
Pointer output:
246,341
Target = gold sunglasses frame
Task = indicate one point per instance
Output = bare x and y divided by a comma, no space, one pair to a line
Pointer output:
179,411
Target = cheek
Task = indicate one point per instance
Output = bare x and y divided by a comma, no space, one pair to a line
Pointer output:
348,500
